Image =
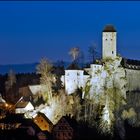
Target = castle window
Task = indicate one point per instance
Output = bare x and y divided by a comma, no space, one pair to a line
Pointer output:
112,52
106,39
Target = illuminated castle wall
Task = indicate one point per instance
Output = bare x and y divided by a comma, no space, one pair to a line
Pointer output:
105,74
75,78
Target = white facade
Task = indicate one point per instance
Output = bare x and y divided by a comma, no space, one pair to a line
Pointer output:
97,79
109,44
23,109
95,68
74,79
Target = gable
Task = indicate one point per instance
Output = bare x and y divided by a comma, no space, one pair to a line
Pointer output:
24,105
63,125
25,91
43,122
35,89
29,106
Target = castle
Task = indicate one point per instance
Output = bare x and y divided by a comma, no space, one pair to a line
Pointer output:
124,73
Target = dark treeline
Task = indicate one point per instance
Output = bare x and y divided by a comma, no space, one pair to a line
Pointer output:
11,82
22,80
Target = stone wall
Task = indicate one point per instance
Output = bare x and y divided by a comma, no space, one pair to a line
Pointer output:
133,79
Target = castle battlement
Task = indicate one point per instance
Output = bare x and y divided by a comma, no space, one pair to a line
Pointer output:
131,64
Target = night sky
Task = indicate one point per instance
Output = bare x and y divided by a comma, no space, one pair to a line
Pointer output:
32,30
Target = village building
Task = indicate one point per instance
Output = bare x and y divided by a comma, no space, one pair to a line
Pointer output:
43,122
23,107
65,129
74,78
30,92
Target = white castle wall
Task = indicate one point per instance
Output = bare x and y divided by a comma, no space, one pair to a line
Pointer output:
133,79
96,80
74,79
108,76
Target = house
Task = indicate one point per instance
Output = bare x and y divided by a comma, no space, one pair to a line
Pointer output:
16,126
30,91
23,106
65,129
43,122
25,92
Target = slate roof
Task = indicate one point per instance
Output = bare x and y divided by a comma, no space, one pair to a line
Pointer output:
73,66
131,64
109,28
45,117
21,104
71,122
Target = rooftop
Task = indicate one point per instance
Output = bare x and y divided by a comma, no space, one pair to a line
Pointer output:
109,28
131,64
21,104
73,66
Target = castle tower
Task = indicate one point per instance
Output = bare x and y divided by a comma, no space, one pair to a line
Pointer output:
109,42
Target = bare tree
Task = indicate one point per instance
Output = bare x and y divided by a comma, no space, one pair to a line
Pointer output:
92,52
74,52
11,80
47,78
81,58
10,87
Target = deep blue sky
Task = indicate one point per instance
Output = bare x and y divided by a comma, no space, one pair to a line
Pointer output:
32,30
